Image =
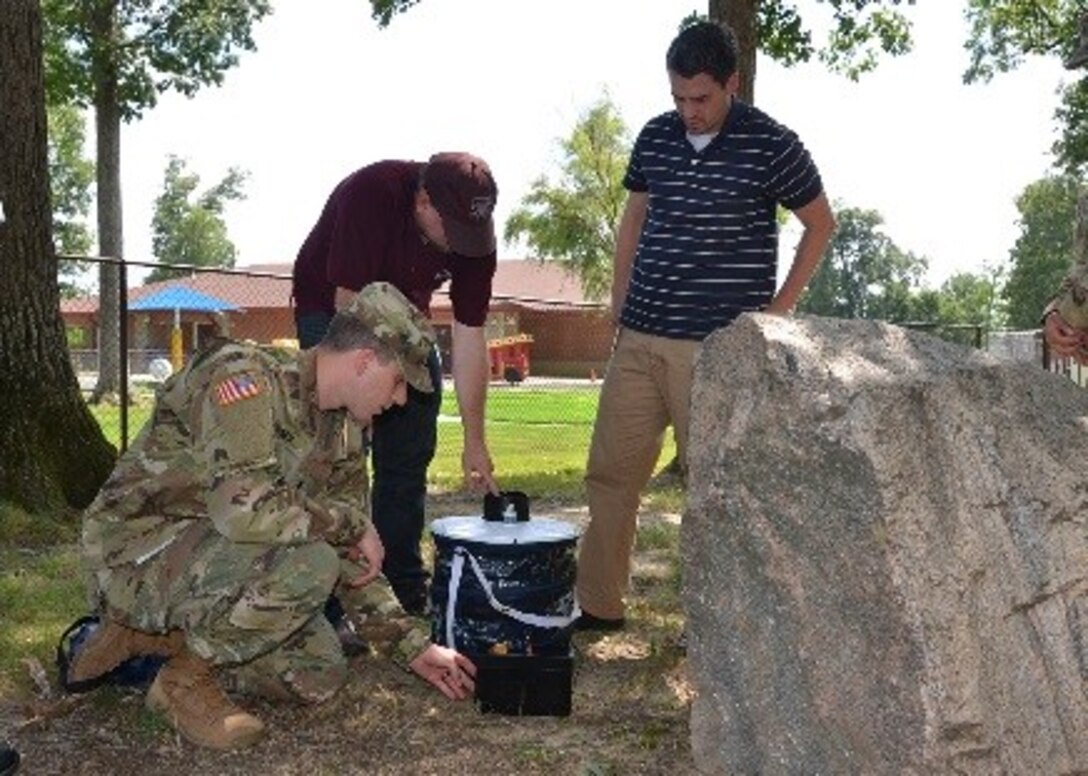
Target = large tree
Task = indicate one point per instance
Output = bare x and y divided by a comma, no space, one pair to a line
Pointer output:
970,298
52,452
964,309
574,220
1040,258
187,227
71,176
858,31
1006,32
864,274
118,56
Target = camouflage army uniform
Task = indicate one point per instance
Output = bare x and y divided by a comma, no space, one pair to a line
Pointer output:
224,517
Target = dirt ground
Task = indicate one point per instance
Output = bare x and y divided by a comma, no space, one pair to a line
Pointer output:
630,710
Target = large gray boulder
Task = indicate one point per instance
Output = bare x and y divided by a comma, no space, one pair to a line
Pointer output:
885,556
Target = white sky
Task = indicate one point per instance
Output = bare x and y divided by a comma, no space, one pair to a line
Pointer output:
327,92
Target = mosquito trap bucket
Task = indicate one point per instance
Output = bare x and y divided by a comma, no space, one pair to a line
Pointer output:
503,594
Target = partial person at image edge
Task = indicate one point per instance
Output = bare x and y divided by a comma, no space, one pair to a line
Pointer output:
1065,318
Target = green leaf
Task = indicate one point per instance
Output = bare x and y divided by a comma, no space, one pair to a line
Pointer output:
189,228
1041,255
133,50
573,222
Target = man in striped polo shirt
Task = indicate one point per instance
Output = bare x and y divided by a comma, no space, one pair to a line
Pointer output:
697,246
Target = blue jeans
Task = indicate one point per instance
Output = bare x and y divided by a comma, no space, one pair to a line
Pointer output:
403,443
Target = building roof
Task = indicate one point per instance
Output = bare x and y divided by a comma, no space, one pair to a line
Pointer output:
264,286
536,280
179,296
269,286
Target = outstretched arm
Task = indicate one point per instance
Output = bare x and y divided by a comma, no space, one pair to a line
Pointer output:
470,375
630,229
819,224
448,670
1064,341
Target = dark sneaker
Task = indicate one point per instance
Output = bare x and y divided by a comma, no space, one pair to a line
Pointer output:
589,622
9,760
351,643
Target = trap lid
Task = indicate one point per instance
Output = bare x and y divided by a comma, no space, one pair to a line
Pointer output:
474,528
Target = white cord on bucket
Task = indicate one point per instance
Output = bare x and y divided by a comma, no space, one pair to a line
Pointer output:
537,620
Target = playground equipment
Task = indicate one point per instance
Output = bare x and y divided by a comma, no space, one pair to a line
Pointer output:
509,357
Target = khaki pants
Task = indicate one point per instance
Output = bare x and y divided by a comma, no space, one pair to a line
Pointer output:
647,387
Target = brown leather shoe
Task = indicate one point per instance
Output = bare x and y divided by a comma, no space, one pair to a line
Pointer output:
112,644
187,694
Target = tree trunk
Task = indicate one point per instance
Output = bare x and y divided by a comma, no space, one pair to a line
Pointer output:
1080,231
740,16
107,113
52,452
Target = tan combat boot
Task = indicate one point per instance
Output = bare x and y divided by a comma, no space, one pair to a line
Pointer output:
112,644
186,692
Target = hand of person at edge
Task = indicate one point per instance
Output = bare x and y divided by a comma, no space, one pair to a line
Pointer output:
1064,340
478,470
370,550
448,670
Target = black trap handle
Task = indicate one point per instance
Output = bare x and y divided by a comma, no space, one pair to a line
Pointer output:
510,506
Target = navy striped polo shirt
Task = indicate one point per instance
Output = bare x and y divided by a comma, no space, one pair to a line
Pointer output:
709,246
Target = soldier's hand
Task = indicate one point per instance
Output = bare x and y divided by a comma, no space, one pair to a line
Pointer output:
448,670
371,552
1064,340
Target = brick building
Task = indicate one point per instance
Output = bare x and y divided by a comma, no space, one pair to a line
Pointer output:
571,336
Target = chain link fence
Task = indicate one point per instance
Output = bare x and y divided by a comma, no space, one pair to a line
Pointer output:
971,335
546,356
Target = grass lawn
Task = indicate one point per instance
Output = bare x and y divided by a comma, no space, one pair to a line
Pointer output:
41,589
573,406
539,441
41,593
539,438
109,420
538,459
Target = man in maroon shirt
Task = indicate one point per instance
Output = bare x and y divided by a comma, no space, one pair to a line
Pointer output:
415,225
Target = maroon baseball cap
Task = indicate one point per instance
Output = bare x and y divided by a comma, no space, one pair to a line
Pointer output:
463,192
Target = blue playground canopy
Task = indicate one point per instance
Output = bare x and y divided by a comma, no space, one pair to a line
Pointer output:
181,297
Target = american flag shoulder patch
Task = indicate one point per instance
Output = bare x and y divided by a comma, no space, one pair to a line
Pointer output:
236,388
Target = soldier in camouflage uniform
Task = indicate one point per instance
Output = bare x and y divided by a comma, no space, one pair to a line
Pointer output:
1065,320
219,535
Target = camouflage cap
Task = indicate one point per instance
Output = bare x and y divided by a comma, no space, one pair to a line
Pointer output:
401,326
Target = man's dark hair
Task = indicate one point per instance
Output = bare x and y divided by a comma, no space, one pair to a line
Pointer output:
346,332
704,47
